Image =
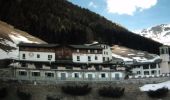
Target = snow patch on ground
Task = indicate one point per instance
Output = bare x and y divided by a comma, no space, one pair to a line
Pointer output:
136,58
120,57
17,38
154,87
11,55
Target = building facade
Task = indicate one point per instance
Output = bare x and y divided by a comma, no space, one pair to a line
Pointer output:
65,63
146,69
106,52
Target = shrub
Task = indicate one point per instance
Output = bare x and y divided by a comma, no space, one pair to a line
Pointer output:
162,92
23,95
3,92
52,98
109,91
78,90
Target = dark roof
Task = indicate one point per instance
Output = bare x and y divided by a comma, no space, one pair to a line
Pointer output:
56,45
85,47
37,45
116,60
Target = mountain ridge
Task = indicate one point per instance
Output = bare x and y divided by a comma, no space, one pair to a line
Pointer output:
159,33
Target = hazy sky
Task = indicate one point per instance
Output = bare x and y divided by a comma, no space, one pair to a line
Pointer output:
132,14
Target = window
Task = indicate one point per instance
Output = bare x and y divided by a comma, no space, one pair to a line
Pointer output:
90,76
89,58
162,51
153,72
107,58
38,55
103,58
63,76
48,74
76,75
36,74
153,66
138,72
146,72
96,58
103,75
22,73
166,51
145,67
78,58
49,57
23,56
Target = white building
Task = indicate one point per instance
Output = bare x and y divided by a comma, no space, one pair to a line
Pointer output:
146,69
164,55
67,63
36,52
106,52
87,54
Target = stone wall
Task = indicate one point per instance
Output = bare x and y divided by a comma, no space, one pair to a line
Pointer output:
39,92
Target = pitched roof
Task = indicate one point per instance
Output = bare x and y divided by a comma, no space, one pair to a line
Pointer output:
37,45
85,47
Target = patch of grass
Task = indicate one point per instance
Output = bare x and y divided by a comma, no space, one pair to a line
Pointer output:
113,92
159,93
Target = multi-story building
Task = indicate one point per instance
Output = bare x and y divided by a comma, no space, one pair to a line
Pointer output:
87,54
106,52
65,62
146,69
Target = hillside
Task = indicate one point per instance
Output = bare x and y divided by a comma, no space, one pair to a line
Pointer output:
10,37
130,56
59,21
160,33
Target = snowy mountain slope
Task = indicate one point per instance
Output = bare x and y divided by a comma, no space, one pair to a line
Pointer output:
130,56
10,37
160,33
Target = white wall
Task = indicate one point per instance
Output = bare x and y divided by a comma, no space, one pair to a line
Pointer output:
107,53
164,67
84,58
32,56
164,57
